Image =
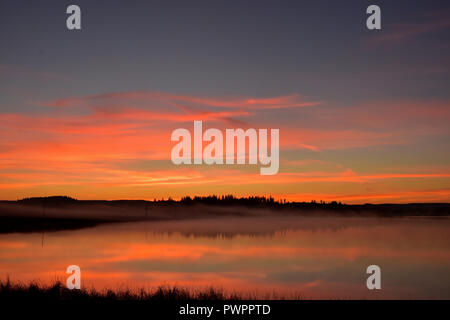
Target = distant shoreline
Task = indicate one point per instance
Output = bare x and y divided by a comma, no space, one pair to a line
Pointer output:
65,213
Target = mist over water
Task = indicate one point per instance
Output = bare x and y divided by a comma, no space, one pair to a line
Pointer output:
263,256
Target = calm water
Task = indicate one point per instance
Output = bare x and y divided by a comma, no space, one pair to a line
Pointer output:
308,257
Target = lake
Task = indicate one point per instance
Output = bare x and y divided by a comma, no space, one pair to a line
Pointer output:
259,257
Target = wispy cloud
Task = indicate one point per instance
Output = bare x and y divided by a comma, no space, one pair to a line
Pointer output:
400,32
157,99
86,146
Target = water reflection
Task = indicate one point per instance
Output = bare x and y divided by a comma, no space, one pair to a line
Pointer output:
314,257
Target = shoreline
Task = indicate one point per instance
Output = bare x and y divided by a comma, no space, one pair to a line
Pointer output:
64,213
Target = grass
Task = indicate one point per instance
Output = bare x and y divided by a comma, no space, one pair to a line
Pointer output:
58,292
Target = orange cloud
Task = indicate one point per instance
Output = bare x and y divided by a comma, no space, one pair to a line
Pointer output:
159,98
92,147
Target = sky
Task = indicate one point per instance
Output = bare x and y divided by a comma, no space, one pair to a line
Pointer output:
363,114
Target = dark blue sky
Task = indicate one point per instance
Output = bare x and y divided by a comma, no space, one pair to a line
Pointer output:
320,49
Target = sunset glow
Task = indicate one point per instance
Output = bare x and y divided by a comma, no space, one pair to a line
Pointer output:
358,122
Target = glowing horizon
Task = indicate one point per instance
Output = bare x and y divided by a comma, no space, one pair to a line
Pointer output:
109,148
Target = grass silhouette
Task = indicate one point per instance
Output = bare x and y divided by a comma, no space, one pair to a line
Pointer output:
58,292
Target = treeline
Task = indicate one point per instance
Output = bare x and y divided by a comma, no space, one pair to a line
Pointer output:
252,201
223,200
48,200
412,209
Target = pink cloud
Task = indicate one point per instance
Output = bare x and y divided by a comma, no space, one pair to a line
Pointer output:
396,33
158,98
